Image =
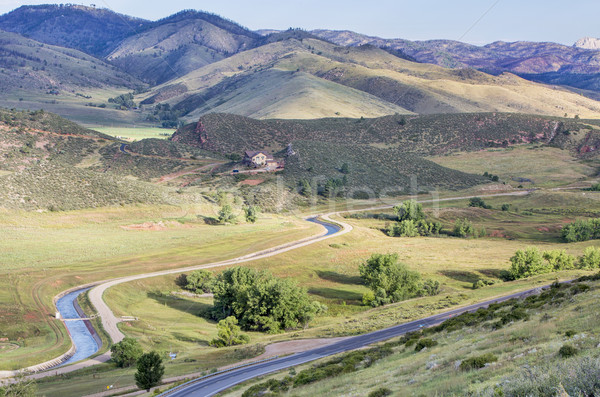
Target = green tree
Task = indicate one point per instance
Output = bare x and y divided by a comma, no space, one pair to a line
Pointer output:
409,210
478,202
21,386
199,281
305,188
345,169
251,213
229,333
150,370
261,301
559,260
463,228
590,258
389,280
226,215
126,352
528,262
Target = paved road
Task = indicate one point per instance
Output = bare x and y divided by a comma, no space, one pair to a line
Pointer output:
217,383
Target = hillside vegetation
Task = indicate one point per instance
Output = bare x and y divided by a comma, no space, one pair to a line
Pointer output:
414,87
549,63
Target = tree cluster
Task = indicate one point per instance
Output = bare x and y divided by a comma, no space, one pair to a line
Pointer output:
198,281
391,281
412,222
581,230
164,113
479,202
531,261
260,301
123,101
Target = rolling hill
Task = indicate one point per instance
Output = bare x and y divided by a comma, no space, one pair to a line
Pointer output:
552,63
319,70
179,44
95,31
28,65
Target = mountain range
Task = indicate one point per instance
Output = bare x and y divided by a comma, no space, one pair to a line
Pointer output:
71,59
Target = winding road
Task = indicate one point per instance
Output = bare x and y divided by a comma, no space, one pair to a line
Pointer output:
332,228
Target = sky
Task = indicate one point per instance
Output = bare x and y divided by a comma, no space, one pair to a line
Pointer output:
474,21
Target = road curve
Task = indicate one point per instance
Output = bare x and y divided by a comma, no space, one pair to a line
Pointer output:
215,384
110,321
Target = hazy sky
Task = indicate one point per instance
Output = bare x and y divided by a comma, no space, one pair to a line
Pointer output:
473,21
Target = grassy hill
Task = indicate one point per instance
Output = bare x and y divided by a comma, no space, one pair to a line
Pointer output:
179,44
51,163
424,135
27,65
388,79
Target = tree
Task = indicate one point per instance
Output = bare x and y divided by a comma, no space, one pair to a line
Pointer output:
559,260
126,352
478,202
305,188
199,281
150,370
409,210
590,258
528,262
251,213
345,169
226,215
261,301
229,333
463,228
389,280
21,386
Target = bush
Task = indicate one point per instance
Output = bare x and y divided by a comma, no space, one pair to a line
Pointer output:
409,210
423,343
559,260
528,262
590,258
477,362
478,202
199,281
126,352
381,392
581,230
567,350
463,228
228,334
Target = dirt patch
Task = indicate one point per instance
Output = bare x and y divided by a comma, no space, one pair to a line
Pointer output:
252,182
8,347
498,233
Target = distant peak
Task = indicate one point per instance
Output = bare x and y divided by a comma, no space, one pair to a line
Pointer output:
588,43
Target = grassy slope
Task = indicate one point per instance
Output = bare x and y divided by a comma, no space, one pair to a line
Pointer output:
543,166
433,371
416,87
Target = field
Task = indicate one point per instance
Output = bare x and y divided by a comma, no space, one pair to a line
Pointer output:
527,165
127,240
135,134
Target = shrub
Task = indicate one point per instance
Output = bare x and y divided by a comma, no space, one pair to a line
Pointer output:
477,362
478,202
381,392
228,333
559,260
126,352
528,262
423,343
567,350
199,281
581,230
430,288
463,228
409,210
590,258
